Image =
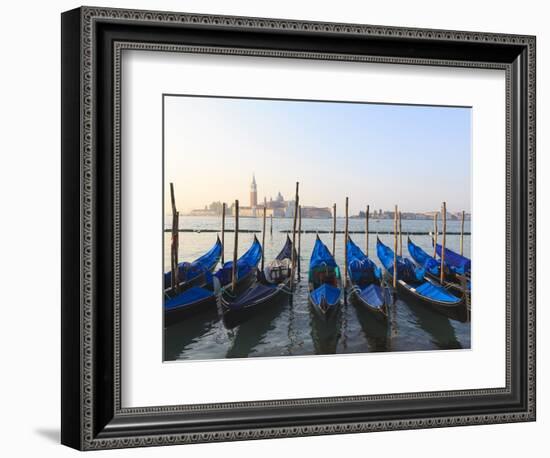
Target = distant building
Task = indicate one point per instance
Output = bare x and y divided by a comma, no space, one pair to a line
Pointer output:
381,214
253,193
253,210
204,212
316,212
278,207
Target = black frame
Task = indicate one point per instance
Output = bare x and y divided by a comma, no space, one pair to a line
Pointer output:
92,40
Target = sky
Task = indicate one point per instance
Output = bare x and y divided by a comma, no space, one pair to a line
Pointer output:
381,155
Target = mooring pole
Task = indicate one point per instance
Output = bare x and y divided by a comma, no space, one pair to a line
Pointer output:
395,248
263,241
293,264
435,235
400,237
223,233
299,239
443,240
346,231
334,230
367,231
234,272
462,235
175,242
271,224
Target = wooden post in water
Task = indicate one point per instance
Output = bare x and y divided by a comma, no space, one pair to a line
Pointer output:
271,224
464,284
400,237
435,235
263,241
234,272
443,240
395,248
334,230
223,233
299,239
346,232
293,264
367,231
175,242
462,235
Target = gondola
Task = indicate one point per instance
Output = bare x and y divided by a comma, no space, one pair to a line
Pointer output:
365,277
461,264
325,282
194,273
412,282
202,298
271,286
432,267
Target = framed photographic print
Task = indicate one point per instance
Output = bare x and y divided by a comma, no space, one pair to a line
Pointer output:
278,228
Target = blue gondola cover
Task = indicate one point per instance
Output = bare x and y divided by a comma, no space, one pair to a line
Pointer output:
188,297
462,264
373,295
361,269
321,256
187,271
406,270
330,293
436,292
247,262
432,266
256,293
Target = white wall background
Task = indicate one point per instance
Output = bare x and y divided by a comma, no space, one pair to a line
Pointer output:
30,214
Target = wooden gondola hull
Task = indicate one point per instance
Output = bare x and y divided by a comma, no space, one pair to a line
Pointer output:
177,314
456,311
234,316
452,283
199,280
242,283
380,313
324,311
451,280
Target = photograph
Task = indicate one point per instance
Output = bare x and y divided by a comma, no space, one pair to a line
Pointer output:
314,227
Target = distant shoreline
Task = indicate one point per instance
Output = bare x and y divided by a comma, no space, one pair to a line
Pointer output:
371,218
256,231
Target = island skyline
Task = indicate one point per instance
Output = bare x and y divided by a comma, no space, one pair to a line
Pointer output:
282,208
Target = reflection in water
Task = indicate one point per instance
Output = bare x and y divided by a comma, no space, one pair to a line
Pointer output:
436,325
180,335
376,332
253,332
325,333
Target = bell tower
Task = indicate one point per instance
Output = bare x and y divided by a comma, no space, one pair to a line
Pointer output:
253,193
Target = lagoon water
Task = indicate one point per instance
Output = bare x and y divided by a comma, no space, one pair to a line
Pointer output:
290,328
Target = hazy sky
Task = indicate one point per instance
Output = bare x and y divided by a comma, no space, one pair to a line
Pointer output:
379,155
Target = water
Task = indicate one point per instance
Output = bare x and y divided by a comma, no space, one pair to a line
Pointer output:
289,327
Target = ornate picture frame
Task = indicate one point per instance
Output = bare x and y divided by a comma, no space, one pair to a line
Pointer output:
92,414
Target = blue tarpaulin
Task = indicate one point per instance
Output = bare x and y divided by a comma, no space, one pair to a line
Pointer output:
247,262
361,269
187,271
436,292
256,293
406,270
188,297
433,266
330,293
373,295
462,264
321,256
